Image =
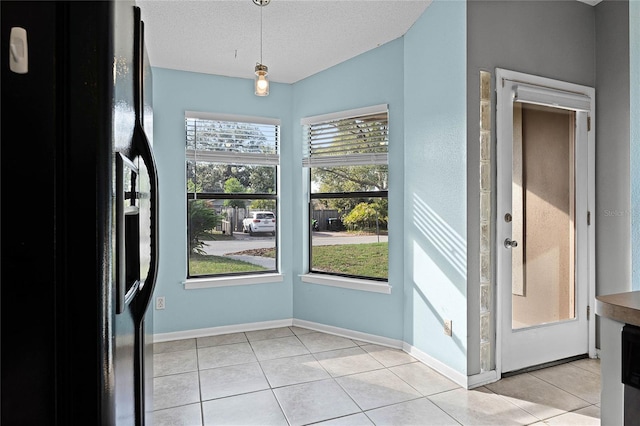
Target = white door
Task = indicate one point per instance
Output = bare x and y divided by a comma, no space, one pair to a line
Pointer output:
544,239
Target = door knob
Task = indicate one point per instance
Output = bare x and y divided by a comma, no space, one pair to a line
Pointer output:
509,243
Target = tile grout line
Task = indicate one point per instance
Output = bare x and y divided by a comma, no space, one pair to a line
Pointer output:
330,378
566,390
555,386
284,415
524,409
314,355
199,383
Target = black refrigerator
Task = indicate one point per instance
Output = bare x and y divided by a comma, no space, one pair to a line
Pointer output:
79,217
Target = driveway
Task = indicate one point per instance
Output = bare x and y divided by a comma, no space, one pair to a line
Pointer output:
240,242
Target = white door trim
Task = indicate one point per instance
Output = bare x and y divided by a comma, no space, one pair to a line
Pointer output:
578,94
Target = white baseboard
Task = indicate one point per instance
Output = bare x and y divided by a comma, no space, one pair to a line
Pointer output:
349,334
225,329
429,361
467,382
482,379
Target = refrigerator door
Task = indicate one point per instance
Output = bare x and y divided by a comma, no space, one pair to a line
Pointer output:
75,164
126,286
135,319
28,220
149,224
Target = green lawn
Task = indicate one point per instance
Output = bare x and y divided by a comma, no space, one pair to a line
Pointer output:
367,260
209,264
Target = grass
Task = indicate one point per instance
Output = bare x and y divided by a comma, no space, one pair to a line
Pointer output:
366,260
209,265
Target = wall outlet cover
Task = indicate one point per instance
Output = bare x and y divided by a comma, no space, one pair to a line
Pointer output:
160,302
448,327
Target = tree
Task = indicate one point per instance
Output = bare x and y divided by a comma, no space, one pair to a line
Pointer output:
211,136
351,137
352,178
262,179
233,186
193,187
268,205
349,179
210,177
202,218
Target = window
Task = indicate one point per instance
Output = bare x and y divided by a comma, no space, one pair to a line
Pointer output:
346,154
232,199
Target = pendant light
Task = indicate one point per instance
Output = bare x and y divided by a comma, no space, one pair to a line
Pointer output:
261,83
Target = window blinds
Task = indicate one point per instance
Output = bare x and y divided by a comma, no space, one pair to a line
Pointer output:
232,140
348,138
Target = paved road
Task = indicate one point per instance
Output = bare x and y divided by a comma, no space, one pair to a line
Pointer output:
240,243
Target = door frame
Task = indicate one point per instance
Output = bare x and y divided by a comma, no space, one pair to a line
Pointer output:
557,85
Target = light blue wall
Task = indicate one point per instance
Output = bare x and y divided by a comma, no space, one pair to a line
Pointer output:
174,93
372,78
634,51
435,168
427,191
375,77
424,79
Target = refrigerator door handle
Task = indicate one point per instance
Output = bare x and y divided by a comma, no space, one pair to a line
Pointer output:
146,154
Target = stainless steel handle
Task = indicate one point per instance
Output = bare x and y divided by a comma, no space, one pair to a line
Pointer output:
509,243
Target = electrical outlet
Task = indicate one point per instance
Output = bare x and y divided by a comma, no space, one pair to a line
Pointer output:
447,327
160,302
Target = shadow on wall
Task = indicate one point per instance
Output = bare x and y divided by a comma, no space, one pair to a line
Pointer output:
444,245
456,339
439,256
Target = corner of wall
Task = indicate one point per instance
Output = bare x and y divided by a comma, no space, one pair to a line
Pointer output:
436,184
613,149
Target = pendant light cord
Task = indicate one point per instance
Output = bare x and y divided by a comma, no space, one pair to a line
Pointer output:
261,6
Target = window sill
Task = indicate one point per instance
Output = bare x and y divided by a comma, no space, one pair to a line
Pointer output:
344,282
210,282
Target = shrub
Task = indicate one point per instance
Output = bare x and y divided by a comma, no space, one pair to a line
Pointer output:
202,218
364,216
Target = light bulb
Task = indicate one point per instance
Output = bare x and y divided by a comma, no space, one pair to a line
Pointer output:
262,84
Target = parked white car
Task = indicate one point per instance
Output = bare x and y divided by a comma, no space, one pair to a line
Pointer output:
262,221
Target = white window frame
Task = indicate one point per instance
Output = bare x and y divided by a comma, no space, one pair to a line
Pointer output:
202,282
308,161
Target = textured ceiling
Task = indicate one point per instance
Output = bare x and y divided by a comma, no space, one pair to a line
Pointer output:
300,37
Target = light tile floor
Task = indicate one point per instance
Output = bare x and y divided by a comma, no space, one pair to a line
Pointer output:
296,376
